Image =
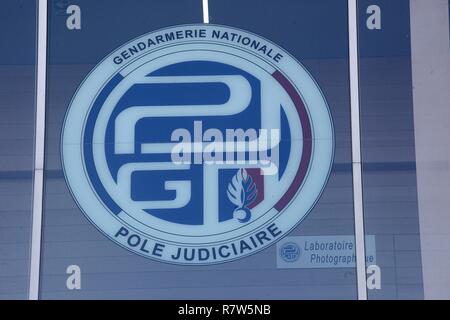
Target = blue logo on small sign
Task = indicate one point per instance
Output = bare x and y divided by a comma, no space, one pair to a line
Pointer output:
197,144
290,252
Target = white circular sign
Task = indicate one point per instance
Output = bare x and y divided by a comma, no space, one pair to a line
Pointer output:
197,144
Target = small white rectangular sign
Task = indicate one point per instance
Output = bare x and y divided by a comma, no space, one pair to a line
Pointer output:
311,252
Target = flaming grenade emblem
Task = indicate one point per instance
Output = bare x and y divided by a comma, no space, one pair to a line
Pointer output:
242,193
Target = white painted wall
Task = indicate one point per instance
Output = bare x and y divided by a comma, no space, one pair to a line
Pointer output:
431,93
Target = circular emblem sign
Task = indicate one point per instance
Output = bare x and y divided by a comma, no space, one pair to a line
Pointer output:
197,144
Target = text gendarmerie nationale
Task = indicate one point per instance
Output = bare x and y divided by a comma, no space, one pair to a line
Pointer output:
257,46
